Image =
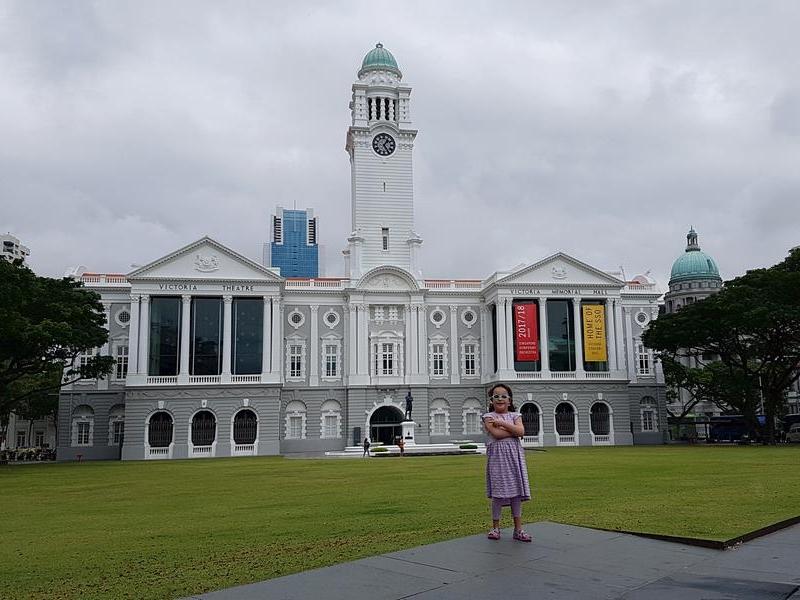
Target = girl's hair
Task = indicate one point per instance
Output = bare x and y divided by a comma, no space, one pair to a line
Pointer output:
491,390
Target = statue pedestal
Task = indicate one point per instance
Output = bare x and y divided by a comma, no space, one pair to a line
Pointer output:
408,432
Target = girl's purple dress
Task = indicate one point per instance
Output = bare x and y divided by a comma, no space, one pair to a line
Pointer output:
506,471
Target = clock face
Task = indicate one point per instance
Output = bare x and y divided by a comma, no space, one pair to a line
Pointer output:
383,144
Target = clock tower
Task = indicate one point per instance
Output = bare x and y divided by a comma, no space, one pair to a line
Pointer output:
380,142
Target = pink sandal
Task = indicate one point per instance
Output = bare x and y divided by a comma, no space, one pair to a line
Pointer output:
521,536
494,534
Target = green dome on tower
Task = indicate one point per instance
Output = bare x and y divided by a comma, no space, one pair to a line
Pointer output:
379,59
693,264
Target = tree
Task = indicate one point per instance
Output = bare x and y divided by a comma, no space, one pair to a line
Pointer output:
41,402
45,324
728,388
751,327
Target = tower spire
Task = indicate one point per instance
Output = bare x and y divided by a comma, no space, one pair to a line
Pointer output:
691,240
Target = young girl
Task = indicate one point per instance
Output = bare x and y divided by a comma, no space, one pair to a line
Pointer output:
506,472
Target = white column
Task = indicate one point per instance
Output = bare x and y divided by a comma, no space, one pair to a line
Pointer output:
277,340
544,346
454,354
352,341
509,352
422,340
485,342
102,384
227,339
576,316
133,338
611,336
107,313
500,334
408,345
632,358
144,334
414,335
363,339
620,346
266,338
184,348
281,359
415,340
314,358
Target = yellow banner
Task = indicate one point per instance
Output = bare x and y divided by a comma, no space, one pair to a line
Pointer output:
594,333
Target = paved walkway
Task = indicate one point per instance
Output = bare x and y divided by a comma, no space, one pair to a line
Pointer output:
562,562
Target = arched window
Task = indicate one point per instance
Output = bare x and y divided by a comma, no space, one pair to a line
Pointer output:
83,425
440,417
159,430
330,419
599,419
204,428
245,427
648,412
472,416
116,424
565,419
295,420
530,419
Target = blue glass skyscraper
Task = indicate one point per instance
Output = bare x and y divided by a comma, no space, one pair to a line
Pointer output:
293,244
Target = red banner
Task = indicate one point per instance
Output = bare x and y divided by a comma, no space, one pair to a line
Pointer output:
526,331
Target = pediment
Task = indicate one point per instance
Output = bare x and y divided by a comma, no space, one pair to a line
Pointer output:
205,259
387,279
560,269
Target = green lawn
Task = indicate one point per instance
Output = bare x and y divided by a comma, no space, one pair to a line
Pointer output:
169,529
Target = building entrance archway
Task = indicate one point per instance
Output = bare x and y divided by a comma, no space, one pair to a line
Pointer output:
385,425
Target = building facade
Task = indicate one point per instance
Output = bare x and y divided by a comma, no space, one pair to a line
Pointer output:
293,247
694,276
24,433
218,355
12,249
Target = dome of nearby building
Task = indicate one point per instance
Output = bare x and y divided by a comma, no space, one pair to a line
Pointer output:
693,263
379,59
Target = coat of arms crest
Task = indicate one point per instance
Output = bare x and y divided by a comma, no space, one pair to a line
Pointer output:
206,264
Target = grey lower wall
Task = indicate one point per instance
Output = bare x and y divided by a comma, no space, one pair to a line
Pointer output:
101,403
635,395
183,402
269,402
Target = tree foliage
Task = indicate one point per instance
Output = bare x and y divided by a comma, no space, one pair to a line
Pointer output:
739,346
45,324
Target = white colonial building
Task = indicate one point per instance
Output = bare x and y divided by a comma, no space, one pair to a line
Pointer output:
219,356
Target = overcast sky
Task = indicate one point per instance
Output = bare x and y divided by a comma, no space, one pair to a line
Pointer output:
601,129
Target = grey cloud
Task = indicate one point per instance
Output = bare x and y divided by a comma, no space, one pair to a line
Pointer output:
132,128
785,113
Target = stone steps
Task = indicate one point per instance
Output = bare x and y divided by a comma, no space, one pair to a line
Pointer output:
415,449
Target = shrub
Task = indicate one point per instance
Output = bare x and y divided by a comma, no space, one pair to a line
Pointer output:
468,447
380,449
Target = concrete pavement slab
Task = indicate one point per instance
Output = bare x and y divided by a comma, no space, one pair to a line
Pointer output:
697,587
563,561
